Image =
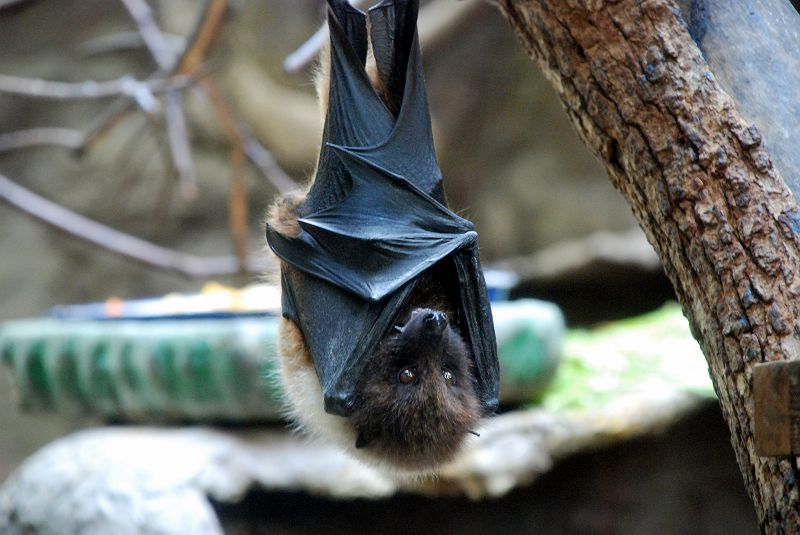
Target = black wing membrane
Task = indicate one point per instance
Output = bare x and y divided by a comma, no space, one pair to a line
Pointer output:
375,217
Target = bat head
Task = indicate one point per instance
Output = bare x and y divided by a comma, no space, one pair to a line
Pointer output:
415,401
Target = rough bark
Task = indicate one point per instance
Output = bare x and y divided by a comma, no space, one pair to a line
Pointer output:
702,186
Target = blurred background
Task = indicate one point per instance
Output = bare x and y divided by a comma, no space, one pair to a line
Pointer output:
190,160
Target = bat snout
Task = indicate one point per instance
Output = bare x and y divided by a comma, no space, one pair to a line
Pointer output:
434,321
430,322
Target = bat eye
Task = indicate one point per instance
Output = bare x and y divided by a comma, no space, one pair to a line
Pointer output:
407,375
449,377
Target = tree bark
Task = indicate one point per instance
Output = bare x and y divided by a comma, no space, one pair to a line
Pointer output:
703,188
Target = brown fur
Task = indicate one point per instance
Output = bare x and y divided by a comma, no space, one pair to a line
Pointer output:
303,394
292,346
283,214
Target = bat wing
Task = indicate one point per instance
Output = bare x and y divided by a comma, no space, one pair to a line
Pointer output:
375,217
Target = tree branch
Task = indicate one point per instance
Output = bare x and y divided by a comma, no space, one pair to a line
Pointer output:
63,137
154,40
123,244
703,188
305,54
203,35
268,165
140,90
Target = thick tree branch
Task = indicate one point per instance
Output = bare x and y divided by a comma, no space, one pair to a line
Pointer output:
702,186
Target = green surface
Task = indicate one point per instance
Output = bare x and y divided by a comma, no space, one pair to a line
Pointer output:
145,370
214,369
652,352
219,369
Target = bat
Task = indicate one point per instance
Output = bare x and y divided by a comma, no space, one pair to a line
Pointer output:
386,344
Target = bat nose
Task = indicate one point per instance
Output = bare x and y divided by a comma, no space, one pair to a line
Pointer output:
434,321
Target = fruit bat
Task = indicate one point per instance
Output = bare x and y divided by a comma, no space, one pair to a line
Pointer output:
386,344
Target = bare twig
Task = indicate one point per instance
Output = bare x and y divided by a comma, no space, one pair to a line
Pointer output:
305,54
435,20
177,133
178,137
132,159
33,137
121,243
155,41
266,163
206,30
121,41
204,33
237,201
11,3
140,90
180,66
110,117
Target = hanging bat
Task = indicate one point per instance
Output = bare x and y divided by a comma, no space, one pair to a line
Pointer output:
386,344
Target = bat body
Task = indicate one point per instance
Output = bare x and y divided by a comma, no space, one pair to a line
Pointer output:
387,346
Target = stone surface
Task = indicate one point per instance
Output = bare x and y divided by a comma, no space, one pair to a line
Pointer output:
150,480
624,380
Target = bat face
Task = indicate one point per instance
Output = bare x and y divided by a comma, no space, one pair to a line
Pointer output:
415,401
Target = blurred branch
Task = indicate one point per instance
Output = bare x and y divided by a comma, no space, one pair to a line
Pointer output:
177,133
33,137
121,41
153,39
269,167
179,144
126,245
436,19
237,200
204,33
112,116
140,90
305,54
146,24
190,60
175,71
11,3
